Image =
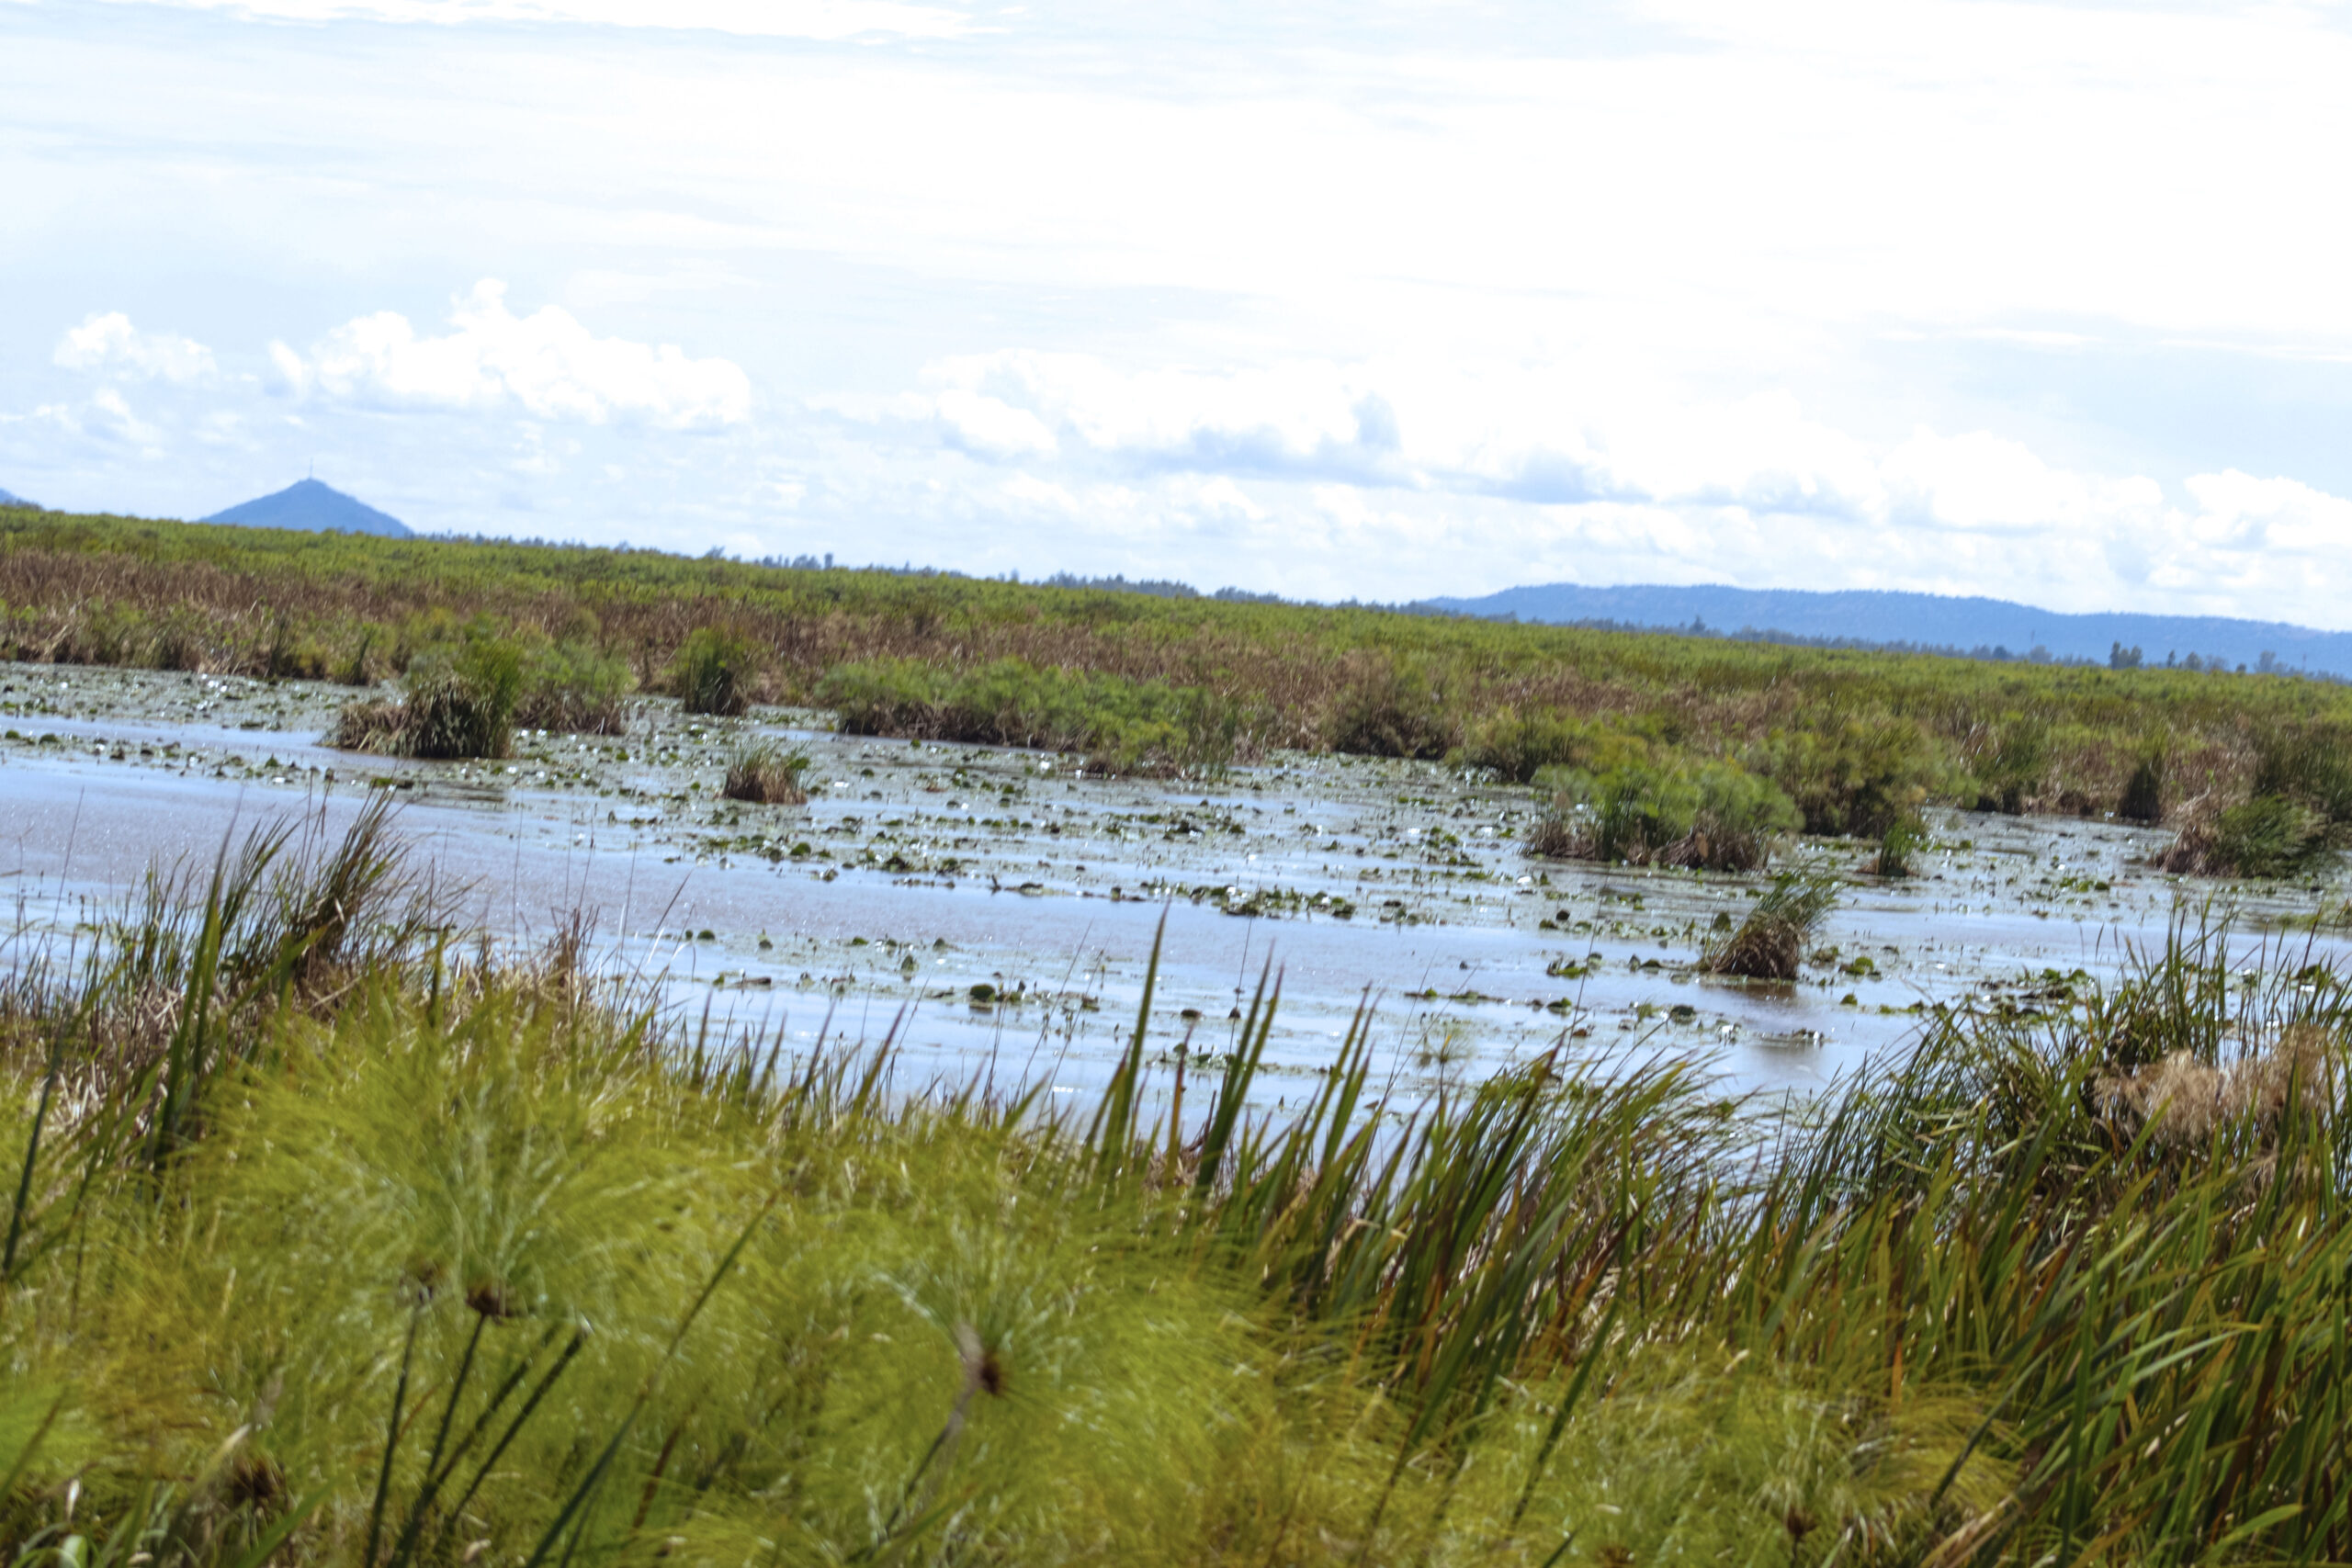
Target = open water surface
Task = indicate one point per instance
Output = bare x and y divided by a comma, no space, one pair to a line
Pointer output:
917,872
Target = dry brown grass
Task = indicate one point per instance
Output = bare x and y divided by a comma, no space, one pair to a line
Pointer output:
1559,836
1716,849
571,714
372,725
2194,848
2182,1102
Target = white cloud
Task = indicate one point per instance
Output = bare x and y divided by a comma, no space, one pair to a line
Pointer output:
108,345
547,362
985,425
1029,490
106,418
1343,504
1287,416
1220,497
1980,482
2238,512
1548,436
758,18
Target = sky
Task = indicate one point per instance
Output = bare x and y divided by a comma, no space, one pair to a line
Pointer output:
2045,301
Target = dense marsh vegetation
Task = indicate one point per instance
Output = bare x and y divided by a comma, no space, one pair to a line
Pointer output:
1841,743
335,1238
1122,725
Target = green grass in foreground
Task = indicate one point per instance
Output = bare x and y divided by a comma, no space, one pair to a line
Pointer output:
1854,741
330,1242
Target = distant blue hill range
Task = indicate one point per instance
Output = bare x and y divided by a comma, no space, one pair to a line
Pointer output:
7,500
315,506
1981,629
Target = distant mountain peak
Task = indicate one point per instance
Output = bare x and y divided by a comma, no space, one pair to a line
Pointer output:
317,506
7,500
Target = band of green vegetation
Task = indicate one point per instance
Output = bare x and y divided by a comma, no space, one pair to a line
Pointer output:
483,637
332,1240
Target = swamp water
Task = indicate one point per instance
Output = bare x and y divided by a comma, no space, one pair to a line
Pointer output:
995,909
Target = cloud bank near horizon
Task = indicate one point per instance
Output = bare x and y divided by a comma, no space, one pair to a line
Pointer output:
546,366
2026,299
1329,460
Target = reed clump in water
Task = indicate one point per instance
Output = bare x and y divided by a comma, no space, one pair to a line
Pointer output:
570,688
717,668
2298,814
2268,837
764,773
424,1257
1669,811
2144,798
1904,839
1769,944
465,696
460,704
